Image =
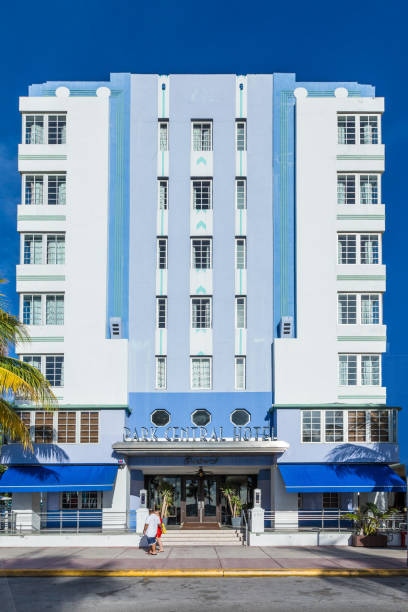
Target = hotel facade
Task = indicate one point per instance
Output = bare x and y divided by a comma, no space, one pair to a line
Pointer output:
201,274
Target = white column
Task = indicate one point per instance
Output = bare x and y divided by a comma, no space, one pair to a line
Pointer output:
284,504
115,502
22,506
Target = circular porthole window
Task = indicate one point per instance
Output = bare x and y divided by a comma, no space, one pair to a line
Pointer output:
201,417
160,417
240,416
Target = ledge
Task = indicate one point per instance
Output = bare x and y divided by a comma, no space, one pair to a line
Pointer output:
200,448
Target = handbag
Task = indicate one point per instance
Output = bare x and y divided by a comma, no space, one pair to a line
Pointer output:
144,543
163,528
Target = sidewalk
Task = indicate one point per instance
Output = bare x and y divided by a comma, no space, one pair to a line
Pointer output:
203,558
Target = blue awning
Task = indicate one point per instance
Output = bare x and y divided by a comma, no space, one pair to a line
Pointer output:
335,477
20,479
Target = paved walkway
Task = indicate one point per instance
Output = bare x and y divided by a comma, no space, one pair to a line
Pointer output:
203,557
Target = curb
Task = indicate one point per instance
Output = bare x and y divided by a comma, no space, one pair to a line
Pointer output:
203,573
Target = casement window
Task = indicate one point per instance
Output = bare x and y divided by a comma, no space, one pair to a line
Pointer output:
161,372
240,254
334,426
32,309
241,140
358,189
359,308
201,194
45,129
161,312
201,372
162,253
359,248
311,426
201,312
240,194
163,136
202,135
240,312
55,248
379,426
34,361
163,185
369,188
346,189
330,501
66,431
54,370
33,249
358,129
81,500
43,428
240,373
201,253
356,369
44,189
357,425
54,310
89,428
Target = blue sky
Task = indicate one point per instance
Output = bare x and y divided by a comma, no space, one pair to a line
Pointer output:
319,41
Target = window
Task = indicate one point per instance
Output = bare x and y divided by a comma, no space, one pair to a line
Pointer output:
240,254
201,417
33,360
359,248
69,500
334,426
240,312
347,309
34,129
357,425
201,313
161,373
66,427
201,372
89,433
311,426
56,189
32,249
55,249
160,417
162,253
379,426
202,136
33,190
241,135
54,370
240,417
370,309
43,428
369,189
370,369
346,126
240,194
25,417
330,501
161,312
359,369
164,136
57,129
163,194
346,189
202,194
201,253
90,500
368,129
240,373
32,311
54,310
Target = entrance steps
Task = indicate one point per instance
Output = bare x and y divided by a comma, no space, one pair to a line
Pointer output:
208,537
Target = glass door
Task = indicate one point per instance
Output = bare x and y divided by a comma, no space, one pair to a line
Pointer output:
201,500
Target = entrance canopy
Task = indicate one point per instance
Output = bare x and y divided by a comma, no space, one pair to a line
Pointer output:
336,478
27,478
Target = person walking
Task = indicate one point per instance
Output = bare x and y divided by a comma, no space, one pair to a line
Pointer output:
150,530
160,531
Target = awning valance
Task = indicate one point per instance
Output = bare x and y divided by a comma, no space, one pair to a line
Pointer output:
336,478
20,479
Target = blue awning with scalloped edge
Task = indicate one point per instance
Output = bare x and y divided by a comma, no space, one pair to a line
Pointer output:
22,479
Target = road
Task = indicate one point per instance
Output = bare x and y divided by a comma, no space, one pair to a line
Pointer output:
204,594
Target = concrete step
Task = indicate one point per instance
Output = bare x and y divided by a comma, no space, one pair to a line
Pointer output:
213,537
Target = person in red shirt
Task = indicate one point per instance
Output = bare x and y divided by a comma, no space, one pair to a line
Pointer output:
159,532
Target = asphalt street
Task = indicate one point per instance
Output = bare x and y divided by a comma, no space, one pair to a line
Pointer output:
204,594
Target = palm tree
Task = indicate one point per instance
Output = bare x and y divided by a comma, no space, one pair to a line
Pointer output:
18,379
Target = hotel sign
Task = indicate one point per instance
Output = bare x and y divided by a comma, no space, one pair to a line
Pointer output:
197,434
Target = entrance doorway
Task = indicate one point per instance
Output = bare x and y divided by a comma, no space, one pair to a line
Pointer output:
200,502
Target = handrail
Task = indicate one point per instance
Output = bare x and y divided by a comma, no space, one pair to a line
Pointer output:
245,527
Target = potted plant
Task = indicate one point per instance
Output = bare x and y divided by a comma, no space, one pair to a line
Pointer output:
167,493
235,505
367,522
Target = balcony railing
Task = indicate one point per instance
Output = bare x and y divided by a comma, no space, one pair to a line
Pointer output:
324,520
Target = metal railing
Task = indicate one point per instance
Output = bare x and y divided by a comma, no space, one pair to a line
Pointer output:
324,520
244,528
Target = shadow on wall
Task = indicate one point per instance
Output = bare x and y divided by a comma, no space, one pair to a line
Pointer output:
355,453
13,453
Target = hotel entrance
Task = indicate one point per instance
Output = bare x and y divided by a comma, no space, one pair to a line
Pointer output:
199,498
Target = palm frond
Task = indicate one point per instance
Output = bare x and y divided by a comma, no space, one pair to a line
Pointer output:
26,382
12,425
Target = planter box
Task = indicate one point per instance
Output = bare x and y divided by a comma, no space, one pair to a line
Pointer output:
236,522
371,541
